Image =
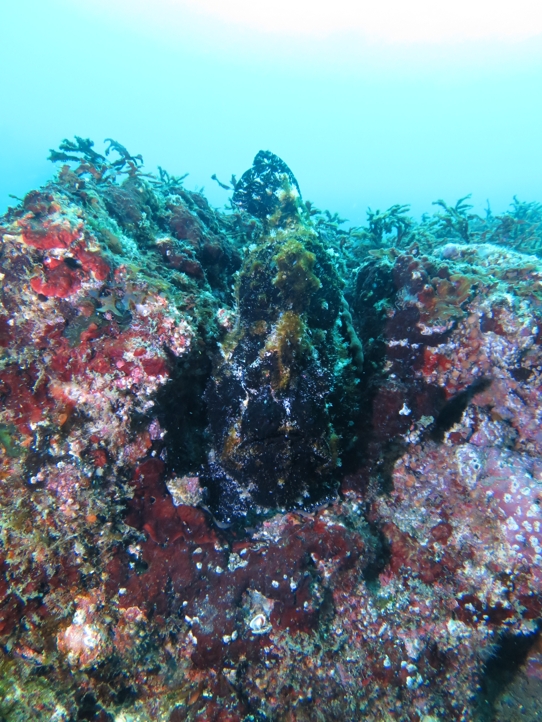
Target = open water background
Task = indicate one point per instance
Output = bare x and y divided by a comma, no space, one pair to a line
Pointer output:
361,122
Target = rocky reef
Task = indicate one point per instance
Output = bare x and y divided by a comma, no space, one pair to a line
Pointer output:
254,466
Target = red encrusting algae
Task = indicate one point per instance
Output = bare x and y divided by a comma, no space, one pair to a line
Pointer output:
122,597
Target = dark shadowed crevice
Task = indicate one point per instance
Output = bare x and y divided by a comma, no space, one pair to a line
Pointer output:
453,410
382,555
501,670
182,413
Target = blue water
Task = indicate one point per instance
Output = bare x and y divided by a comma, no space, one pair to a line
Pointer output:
361,123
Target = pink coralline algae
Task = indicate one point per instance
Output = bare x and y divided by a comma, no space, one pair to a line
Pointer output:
411,592
84,642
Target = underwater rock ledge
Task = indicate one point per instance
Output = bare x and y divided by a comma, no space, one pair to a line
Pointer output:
256,467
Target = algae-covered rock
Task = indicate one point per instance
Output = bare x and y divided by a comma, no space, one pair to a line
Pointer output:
416,594
274,401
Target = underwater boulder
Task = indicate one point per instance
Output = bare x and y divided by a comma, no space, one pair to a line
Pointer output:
273,400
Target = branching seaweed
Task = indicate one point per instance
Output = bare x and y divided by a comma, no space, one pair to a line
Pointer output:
222,185
519,228
80,150
455,219
125,156
105,169
168,183
125,163
391,228
384,224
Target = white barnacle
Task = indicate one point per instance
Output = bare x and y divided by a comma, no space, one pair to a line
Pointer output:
235,562
259,624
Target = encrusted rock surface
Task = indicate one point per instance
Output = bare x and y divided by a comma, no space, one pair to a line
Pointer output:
138,327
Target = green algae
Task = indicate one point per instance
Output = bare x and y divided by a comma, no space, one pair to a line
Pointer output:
8,442
295,273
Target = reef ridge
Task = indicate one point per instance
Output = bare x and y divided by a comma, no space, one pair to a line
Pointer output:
255,466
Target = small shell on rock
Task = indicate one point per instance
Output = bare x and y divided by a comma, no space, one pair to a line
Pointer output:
259,624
